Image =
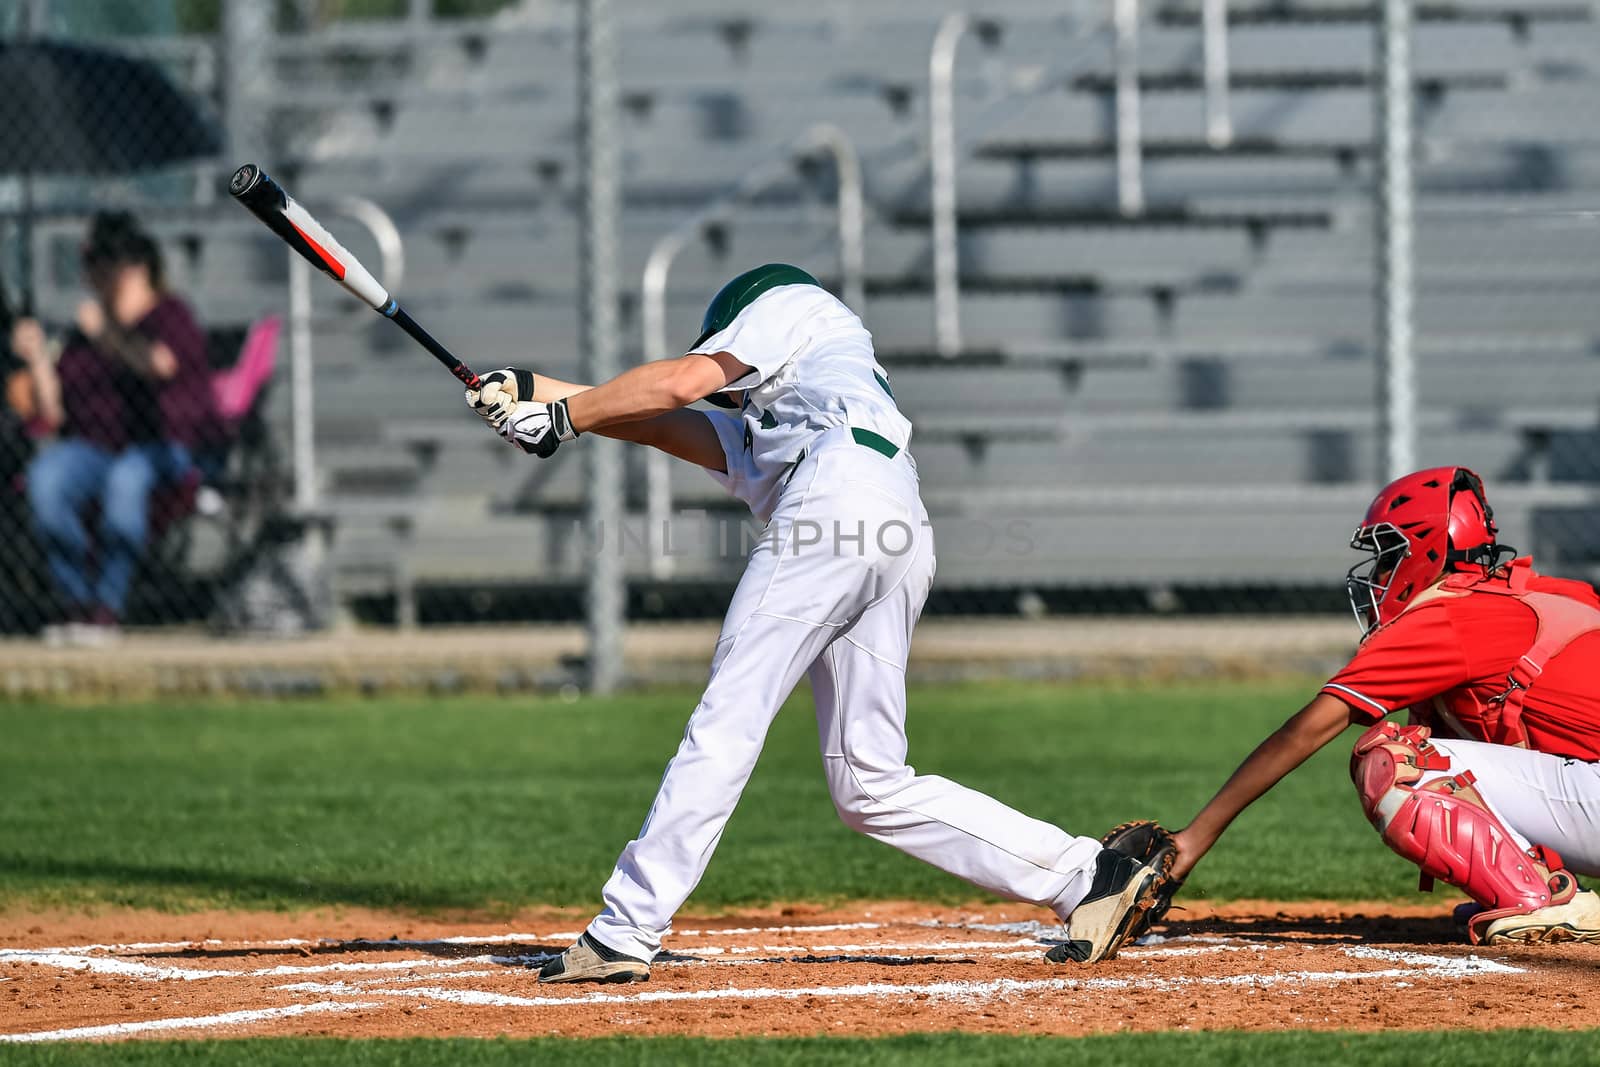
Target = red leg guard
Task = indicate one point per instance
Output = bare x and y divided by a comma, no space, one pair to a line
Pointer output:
1445,828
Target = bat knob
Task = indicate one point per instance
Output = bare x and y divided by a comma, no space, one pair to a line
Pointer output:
243,179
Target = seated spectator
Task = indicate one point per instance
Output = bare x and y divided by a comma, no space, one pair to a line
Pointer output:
21,596
129,399
15,446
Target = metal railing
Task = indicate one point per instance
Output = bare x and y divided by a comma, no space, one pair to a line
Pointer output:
851,221
942,174
1129,136
1214,41
942,152
1123,18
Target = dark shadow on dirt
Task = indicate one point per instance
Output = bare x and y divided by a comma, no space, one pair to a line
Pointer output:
1438,930
506,953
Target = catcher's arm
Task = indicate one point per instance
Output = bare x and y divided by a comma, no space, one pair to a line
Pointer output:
1289,746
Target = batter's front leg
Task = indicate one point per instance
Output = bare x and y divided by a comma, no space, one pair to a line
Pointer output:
756,669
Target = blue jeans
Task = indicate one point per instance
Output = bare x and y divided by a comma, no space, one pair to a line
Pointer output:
67,476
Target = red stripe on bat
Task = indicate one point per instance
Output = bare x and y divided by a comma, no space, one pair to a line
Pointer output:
334,266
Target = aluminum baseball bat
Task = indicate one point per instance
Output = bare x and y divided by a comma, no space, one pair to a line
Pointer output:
267,201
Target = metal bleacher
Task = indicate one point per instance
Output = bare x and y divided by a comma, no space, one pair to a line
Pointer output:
1215,352
1180,397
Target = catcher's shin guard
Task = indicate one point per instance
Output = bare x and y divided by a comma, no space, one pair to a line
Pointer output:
1447,829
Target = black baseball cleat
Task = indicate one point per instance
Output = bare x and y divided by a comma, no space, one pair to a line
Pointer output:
1123,889
590,961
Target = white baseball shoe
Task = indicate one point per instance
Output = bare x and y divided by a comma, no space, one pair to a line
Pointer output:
1122,891
590,961
1577,919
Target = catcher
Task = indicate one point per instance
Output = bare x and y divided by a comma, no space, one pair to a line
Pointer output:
1493,784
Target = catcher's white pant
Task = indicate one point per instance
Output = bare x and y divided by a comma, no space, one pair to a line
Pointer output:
833,590
1542,799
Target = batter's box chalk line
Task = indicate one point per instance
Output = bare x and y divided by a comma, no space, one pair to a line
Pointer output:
427,978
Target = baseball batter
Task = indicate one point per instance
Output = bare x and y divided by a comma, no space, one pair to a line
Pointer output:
1494,784
812,441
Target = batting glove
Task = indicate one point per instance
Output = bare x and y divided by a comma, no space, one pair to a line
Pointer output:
538,428
499,395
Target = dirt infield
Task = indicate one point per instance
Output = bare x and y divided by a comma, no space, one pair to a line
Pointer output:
872,969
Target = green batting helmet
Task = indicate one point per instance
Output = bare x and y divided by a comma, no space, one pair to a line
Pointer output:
742,292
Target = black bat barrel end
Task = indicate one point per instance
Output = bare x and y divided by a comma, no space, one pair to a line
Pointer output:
243,179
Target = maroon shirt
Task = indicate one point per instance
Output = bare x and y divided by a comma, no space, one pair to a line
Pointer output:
111,406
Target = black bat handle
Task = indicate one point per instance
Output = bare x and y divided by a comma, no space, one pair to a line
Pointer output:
462,372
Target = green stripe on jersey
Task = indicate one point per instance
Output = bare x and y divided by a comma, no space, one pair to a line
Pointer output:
876,442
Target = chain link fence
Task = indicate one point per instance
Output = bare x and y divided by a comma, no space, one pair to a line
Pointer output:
1158,405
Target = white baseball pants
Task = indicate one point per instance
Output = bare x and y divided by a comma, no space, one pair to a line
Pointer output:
1542,799
833,590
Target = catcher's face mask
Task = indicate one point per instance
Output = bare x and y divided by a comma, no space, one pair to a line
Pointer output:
1368,582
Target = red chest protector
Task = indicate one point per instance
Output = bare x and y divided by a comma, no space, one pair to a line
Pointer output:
1561,620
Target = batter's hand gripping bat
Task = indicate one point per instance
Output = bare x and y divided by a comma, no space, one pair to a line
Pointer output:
267,201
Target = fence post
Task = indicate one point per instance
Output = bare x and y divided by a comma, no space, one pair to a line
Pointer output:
1396,387
246,45
597,256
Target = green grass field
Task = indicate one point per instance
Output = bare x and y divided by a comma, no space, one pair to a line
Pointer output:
1527,1048
493,803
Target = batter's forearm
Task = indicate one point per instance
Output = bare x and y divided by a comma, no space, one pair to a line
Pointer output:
547,390
683,434
646,390
635,394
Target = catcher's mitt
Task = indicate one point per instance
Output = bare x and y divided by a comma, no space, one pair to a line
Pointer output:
1153,846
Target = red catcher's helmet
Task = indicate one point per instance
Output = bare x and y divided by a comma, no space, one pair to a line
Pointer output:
1417,528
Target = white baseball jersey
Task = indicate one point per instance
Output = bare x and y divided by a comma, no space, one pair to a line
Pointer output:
812,369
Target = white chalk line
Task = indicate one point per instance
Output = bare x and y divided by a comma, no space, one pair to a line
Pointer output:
1451,967
897,946
947,949
820,928
126,968
1472,963
1415,965
133,969
1419,965
1032,927
194,1022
